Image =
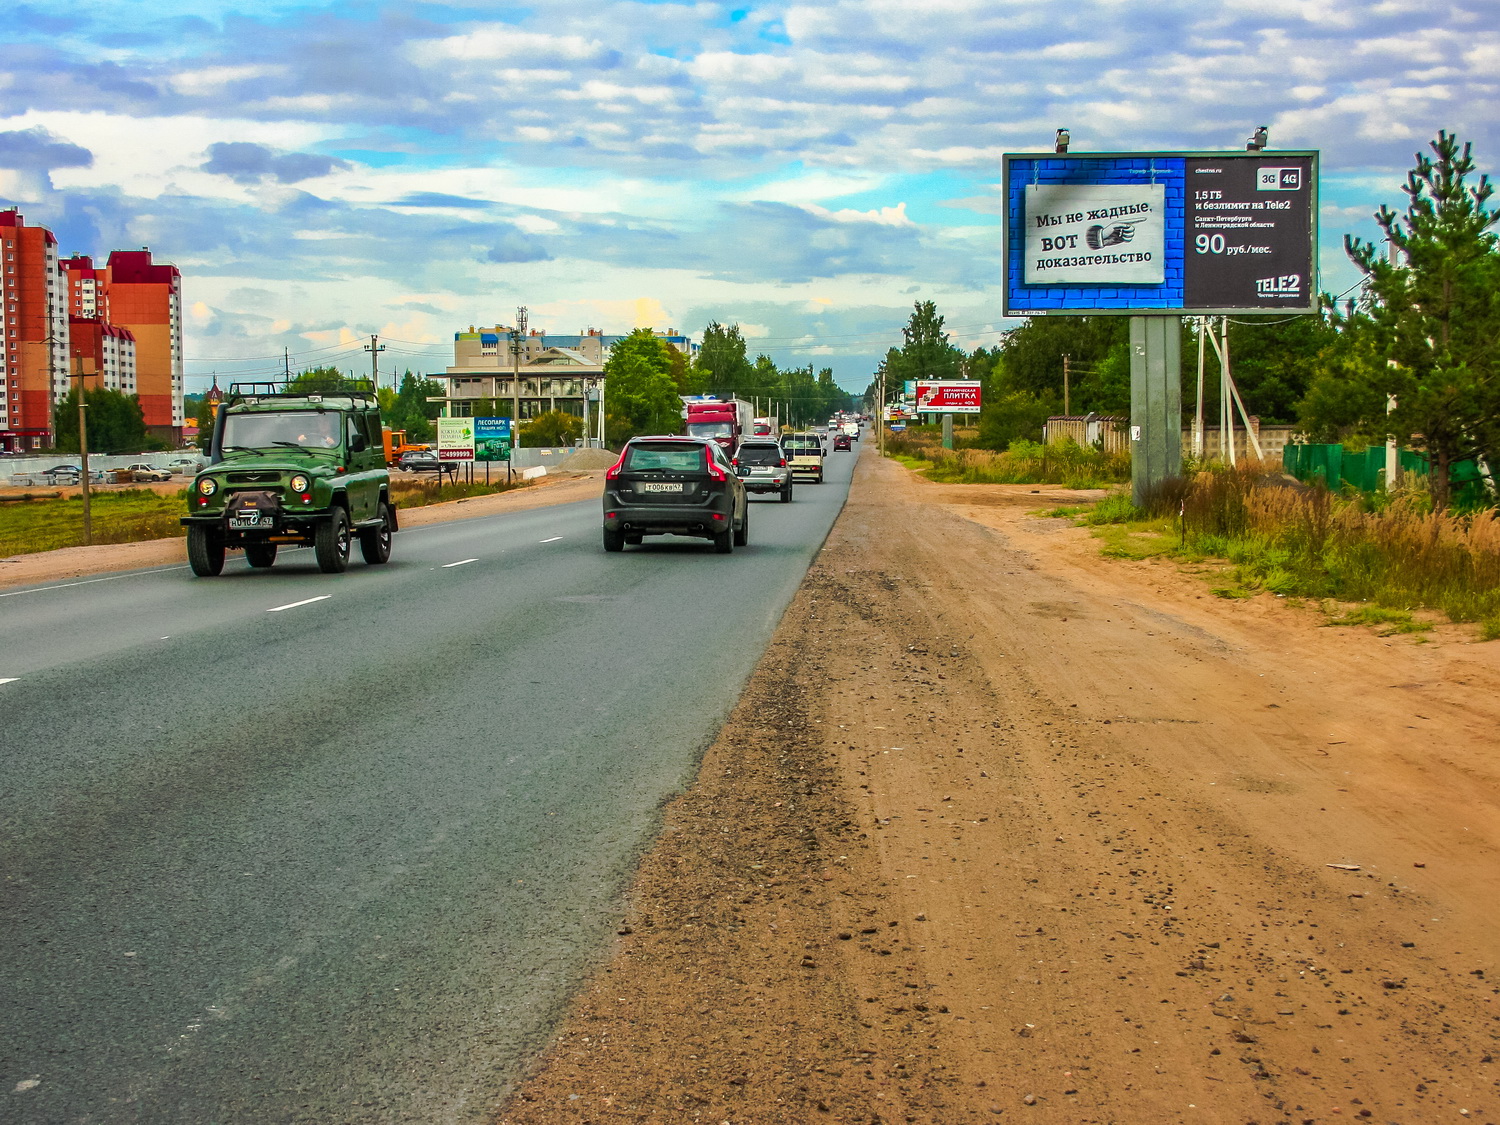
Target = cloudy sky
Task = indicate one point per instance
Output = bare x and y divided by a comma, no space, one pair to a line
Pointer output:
320,172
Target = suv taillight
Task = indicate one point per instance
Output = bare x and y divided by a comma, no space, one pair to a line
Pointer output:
713,470
782,463
613,472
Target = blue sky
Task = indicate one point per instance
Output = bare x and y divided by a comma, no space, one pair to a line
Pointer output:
321,172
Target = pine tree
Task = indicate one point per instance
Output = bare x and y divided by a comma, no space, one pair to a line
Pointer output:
1427,327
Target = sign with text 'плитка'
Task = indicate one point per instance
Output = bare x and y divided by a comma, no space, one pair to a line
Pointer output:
948,396
1096,234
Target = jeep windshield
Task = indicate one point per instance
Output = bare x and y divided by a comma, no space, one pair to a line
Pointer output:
298,429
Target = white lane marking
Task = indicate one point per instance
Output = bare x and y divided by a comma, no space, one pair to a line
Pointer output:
554,539
304,601
461,562
9,680
91,581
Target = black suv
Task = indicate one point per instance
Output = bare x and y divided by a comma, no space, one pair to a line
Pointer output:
675,486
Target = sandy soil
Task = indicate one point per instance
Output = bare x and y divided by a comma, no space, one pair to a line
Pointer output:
81,562
1002,829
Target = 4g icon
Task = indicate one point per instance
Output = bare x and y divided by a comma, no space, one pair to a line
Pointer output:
1278,179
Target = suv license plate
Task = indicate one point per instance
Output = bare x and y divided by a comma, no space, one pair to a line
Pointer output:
660,486
247,519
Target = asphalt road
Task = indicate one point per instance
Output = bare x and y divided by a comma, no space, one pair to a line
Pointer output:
285,846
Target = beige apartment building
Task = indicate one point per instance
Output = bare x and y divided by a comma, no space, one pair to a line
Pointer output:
544,372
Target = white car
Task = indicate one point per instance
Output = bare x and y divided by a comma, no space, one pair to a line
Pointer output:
141,471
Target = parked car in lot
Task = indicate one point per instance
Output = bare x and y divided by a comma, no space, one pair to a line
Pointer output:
141,471
761,463
842,443
62,474
420,461
674,485
188,466
804,454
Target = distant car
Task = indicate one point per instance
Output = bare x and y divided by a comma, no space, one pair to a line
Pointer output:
141,471
62,474
188,466
761,463
675,485
842,442
420,461
804,454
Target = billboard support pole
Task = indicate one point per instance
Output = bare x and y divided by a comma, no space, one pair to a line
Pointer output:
947,431
1155,402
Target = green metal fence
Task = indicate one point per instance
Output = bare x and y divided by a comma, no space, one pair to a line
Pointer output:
1364,470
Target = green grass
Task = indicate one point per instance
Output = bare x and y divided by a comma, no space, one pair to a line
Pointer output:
1391,621
1300,543
1065,464
116,517
137,514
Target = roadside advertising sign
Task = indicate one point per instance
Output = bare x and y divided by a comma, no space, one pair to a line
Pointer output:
492,439
952,396
455,439
1160,232
909,387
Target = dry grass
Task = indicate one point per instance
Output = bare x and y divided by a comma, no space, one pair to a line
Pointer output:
1307,541
1065,463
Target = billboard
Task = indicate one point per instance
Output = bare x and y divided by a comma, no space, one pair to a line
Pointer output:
953,396
455,439
1196,233
492,439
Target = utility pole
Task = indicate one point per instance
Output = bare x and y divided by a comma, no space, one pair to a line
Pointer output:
83,454
1067,401
375,347
517,336
287,352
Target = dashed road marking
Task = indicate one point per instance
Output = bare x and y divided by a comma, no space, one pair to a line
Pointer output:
9,680
554,539
461,562
304,601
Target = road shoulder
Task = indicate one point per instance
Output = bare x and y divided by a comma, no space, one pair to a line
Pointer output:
1000,827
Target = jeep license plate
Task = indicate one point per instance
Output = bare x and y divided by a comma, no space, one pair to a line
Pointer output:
248,520
661,486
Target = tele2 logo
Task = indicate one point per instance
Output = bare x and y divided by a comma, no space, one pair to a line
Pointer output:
1278,179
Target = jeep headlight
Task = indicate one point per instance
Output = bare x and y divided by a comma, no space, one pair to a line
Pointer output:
207,486
298,483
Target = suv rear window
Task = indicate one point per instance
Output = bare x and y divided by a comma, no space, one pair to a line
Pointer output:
672,457
759,454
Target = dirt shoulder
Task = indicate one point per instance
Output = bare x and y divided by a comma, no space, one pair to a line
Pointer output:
81,562
1001,828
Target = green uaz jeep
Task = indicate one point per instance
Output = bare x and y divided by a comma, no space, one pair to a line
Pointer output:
292,467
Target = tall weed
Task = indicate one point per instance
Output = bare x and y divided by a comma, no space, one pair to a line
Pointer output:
1025,462
1308,541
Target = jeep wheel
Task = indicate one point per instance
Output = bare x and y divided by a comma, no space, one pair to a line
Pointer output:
786,493
724,542
205,550
260,555
331,543
375,542
614,540
742,536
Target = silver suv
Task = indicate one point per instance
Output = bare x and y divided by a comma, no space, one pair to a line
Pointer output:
761,463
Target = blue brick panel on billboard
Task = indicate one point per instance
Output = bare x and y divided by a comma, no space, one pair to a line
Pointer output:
1130,171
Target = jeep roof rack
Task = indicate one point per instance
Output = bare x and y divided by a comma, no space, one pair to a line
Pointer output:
348,388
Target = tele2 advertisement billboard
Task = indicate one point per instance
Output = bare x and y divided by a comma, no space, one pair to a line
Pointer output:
1200,233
